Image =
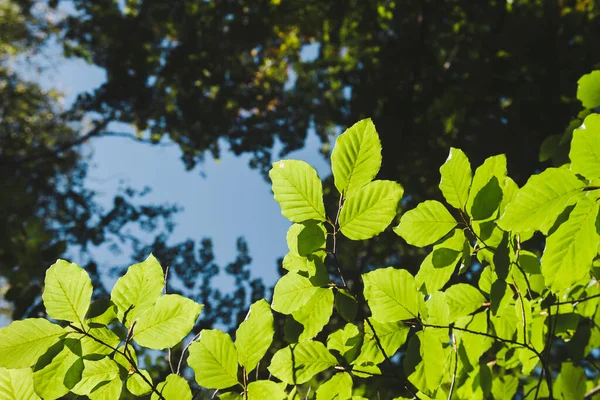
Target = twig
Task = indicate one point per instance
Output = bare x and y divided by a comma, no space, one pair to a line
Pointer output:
592,392
129,359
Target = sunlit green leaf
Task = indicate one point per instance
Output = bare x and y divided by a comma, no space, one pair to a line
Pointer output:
251,347
292,291
392,294
173,388
298,363
486,191
585,147
138,289
437,268
214,360
107,390
49,381
541,200
570,383
456,178
23,342
588,89
298,190
474,346
390,336
95,372
571,248
339,386
167,322
306,237
137,385
370,209
426,224
463,299
17,384
346,341
260,390
315,314
356,157
67,292
101,312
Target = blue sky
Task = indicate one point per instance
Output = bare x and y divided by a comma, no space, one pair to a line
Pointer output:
230,201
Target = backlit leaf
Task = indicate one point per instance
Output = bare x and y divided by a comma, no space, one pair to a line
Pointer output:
571,248
298,363
315,314
463,299
298,190
426,224
540,201
339,386
214,360
23,342
251,347
370,209
485,196
95,372
392,294
456,178
585,147
306,237
17,384
167,322
437,268
173,388
292,291
139,288
356,157
588,89
260,390
67,292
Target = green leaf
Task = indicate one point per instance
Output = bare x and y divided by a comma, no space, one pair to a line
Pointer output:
474,346
337,388
292,291
231,396
426,224
588,89
390,335
571,248
346,341
505,387
463,299
306,237
345,304
107,390
438,312
23,342
310,264
392,294
101,313
136,384
251,347
456,178
485,196
260,390
427,357
167,322
173,388
571,381
49,381
298,363
67,292
139,288
214,360
437,268
298,190
356,157
95,372
88,346
370,209
540,201
585,147
17,384
315,314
